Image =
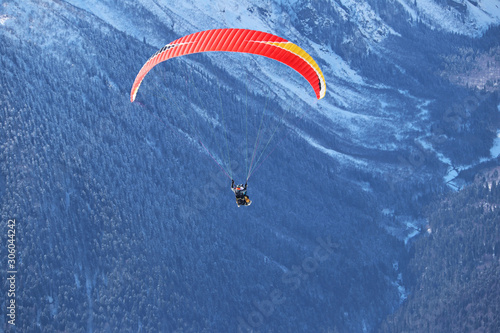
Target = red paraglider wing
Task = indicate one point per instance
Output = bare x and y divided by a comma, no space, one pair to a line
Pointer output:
239,40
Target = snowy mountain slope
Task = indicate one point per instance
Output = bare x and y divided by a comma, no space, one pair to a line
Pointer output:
458,16
345,86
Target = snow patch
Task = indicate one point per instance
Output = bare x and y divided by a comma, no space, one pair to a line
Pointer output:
495,150
370,24
3,19
388,212
332,153
411,235
403,294
365,186
452,171
77,281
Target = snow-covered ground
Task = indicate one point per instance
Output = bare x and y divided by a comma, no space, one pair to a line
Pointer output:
343,158
495,150
474,20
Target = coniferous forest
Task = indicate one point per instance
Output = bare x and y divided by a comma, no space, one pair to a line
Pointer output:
454,267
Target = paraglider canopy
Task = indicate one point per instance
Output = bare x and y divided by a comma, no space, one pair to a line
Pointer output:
239,40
